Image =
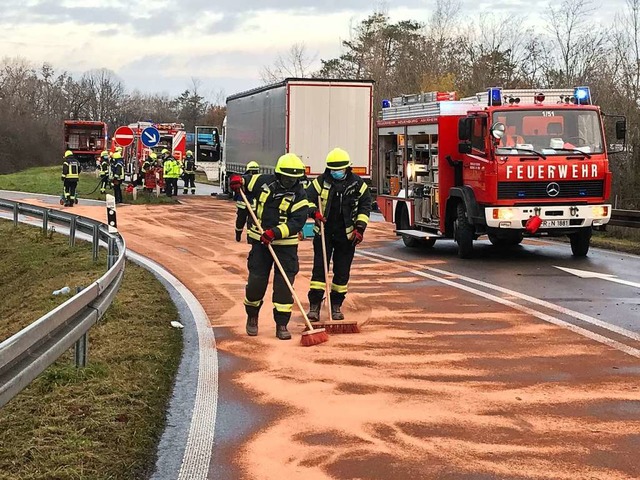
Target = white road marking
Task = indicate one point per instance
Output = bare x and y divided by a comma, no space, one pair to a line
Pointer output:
600,276
543,316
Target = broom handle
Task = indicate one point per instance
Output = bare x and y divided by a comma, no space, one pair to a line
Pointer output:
325,263
275,259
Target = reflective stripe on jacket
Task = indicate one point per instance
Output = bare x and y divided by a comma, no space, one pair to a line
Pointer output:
71,169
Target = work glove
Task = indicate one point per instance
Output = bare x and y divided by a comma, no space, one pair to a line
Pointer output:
236,182
358,236
318,217
238,235
267,237
62,178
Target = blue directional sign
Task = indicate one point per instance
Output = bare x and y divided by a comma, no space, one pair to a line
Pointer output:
150,137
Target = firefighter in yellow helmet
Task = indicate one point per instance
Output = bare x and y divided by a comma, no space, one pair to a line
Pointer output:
70,177
281,208
104,171
346,206
117,175
242,215
171,174
189,175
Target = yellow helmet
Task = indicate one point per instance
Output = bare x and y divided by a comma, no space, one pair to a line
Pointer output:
164,150
117,155
118,149
68,153
337,159
290,165
104,153
189,153
153,155
253,167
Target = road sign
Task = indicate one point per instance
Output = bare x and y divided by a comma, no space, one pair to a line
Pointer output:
150,137
123,136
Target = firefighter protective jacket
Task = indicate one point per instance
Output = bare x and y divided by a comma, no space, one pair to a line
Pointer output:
282,210
117,170
352,193
189,165
171,168
104,168
147,165
70,169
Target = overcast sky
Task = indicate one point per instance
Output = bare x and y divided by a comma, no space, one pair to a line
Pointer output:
159,45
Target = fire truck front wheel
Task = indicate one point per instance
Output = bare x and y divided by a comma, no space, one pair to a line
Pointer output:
580,242
464,232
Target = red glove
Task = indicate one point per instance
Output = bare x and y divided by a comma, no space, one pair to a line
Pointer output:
268,236
358,236
318,217
236,182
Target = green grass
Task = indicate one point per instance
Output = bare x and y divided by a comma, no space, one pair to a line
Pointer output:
103,421
618,239
47,180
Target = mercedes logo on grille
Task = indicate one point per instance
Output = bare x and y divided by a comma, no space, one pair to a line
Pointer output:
553,189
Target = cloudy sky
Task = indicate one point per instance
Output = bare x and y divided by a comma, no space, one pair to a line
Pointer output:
159,45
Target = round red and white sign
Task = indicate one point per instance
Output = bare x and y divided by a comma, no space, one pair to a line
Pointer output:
123,136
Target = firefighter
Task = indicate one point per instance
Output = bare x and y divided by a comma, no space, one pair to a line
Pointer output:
242,215
189,175
171,172
70,177
104,171
282,211
149,163
346,205
117,175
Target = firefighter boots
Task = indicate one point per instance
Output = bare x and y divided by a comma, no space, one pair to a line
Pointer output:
314,312
252,326
336,314
282,333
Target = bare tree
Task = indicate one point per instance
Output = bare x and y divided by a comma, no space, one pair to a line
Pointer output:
296,62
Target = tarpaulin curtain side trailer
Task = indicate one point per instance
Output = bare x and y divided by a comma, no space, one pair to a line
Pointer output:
308,117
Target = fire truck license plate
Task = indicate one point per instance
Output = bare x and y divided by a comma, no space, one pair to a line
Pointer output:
554,223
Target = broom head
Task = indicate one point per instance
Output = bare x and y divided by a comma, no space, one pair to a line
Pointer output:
338,326
314,337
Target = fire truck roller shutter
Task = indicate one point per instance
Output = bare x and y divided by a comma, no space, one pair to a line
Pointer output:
422,130
475,215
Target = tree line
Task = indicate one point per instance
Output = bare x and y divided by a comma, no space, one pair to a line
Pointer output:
449,53
34,102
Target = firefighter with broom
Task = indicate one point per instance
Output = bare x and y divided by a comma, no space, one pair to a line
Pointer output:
341,201
242,215
281,212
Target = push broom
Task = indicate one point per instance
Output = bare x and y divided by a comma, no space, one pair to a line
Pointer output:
332,326
311,336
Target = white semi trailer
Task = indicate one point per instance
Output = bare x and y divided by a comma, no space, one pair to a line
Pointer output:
308,117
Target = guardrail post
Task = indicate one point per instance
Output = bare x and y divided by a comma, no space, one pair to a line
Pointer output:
45,222
72,231
96,242
112,256
82,350
15,214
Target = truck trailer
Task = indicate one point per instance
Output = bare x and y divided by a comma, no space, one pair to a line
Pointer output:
308,117
86,139
503,163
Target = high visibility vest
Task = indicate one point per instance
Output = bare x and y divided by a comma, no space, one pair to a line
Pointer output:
71,169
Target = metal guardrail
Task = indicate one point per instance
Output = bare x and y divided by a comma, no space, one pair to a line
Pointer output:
625,218
29,352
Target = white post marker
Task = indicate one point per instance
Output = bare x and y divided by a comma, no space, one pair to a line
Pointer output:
111,214
601,276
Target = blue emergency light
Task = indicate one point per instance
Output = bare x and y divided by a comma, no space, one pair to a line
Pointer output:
582,95
495,96
386,103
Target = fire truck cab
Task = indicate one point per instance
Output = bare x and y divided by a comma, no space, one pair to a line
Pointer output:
505,163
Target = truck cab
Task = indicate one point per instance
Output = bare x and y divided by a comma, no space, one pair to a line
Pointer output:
508,164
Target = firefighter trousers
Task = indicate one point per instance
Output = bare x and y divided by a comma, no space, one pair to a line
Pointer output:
70,189
171,186
260,263
104,183
117,190
189,180
342,250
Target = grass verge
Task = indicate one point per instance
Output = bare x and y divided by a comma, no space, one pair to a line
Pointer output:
103,421
47,180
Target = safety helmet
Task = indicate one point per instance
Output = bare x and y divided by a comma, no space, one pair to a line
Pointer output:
118,149
164,151
153,155
189,153
117,156
290,165
68,153
104,153
337,159
253,167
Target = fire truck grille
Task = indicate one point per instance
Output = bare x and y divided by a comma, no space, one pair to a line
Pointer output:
550,189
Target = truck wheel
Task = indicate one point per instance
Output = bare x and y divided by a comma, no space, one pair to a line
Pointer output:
580,242
464,232
510,240
404,225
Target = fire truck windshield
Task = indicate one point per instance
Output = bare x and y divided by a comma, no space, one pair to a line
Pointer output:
550,132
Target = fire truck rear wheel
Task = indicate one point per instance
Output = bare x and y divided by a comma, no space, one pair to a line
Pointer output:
404,225
464,232
580,242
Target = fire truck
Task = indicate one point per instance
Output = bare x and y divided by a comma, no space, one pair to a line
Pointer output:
86,139
504,163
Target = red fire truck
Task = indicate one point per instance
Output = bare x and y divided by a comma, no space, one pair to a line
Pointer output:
505,163
86,139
